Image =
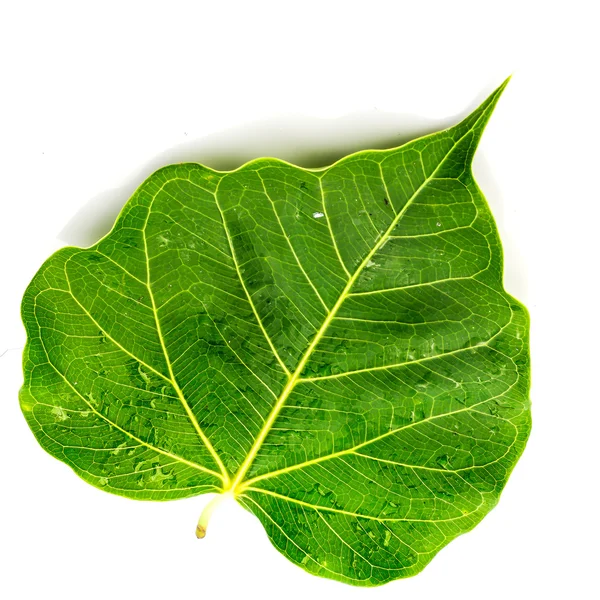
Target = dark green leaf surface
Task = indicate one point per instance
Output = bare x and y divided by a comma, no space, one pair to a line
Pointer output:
334,347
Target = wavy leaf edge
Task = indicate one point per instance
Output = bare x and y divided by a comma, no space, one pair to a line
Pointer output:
237,484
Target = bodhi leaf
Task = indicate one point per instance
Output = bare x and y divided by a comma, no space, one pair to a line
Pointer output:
333,347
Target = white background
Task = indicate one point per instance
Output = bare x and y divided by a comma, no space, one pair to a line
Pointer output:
95,96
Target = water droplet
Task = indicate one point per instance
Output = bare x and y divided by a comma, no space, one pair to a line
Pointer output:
444,461
60,413
323,491
119,449
388,537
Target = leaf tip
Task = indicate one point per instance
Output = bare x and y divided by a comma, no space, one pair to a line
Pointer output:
498,91
478,119
487,106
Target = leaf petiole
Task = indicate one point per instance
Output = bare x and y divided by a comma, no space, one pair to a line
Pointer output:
208,511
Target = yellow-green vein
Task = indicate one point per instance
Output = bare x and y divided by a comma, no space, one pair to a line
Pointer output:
113,424
243,284
295,377
184,403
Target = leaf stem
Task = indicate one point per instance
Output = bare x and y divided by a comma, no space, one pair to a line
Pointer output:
208,511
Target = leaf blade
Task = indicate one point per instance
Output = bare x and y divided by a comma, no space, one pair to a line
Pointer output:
333,345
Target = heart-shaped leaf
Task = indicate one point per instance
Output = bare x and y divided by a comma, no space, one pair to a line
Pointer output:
334,347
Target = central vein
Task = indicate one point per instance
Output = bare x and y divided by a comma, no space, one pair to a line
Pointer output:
294,378
236,485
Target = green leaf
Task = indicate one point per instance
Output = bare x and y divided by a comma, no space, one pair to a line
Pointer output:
333,347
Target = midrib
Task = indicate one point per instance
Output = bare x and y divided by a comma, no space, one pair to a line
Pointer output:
295,377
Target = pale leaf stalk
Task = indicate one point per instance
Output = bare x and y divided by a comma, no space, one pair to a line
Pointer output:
207,513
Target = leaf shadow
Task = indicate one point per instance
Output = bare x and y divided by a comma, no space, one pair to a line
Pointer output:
308,142
305,141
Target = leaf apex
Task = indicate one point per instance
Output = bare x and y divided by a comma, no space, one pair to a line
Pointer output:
486,108
475,123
